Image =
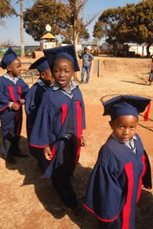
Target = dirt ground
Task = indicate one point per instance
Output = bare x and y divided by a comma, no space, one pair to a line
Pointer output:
28,202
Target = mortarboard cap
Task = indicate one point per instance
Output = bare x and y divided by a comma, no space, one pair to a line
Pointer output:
67,52
125,105
8,57
41,64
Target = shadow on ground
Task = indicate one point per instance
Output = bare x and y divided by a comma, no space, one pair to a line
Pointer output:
46,193
144,216
51,202
133,82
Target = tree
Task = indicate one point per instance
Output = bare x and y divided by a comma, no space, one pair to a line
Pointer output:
7,9
132,23
57,14
46,12
144,16
21,15
64,17
21,28
98,30
79,25
74,8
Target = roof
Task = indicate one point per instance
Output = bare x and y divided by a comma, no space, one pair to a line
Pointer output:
47,36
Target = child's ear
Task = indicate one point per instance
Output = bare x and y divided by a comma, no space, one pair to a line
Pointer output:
8,68
111,124
42,75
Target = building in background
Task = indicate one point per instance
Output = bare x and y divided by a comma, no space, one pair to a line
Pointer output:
47,41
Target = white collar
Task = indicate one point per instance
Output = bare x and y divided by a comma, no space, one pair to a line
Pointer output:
73,85
42,84
14,80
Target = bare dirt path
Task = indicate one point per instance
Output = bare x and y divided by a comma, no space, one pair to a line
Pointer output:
29,202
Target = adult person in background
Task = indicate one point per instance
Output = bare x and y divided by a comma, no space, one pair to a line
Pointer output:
86,64
151,71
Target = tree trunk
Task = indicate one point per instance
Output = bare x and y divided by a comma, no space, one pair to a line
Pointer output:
75,42
147,49
21,28
75,39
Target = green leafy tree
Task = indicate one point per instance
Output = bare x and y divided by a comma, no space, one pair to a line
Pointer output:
42,13
6,8
132,23
99,31
63,16
77,22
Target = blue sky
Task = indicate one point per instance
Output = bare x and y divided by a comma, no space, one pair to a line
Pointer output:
10,31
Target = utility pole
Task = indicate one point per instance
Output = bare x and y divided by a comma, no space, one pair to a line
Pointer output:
21,28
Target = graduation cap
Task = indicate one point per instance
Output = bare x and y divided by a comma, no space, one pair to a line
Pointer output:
41,64
8,57
67,52
125,105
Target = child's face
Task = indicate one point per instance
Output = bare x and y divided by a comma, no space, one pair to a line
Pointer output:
14,69
63,72
124,127
47,77
86,50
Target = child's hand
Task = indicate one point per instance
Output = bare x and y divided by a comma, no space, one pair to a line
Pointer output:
83,142
15,106
48,153
22,101
147,189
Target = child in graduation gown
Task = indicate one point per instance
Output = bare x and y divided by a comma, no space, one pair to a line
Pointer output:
34,98
12,94
59,124
35,94
122,167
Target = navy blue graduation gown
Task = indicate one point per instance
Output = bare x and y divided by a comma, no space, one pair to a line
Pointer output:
51,123
33,101
115,184
11,120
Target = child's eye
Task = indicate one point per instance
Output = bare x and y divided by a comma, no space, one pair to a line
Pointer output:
132,127
56,70
120,126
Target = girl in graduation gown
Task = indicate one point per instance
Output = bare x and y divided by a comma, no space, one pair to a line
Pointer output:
12,94
121,169
58,127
